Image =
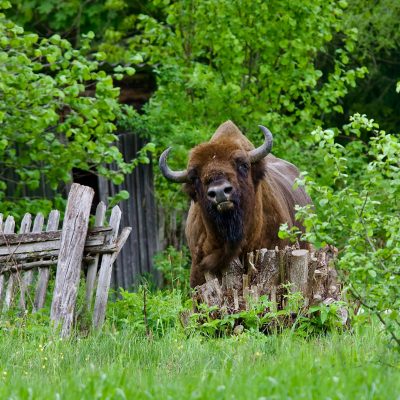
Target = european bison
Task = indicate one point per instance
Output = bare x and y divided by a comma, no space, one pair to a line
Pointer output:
240,196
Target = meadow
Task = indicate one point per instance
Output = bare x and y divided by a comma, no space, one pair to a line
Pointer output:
127,364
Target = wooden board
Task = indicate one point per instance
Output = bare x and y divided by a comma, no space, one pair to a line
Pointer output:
75,227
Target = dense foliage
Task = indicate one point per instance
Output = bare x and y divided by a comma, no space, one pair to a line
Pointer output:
358,210
378,47
256,63
111,20
58,111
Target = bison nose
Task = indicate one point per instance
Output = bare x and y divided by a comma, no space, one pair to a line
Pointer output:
219,192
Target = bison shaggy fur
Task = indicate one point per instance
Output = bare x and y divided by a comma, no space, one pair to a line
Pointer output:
256,199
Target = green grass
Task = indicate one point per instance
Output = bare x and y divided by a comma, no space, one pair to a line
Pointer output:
126,365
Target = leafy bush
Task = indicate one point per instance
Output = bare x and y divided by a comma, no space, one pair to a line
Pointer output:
59,111
358,210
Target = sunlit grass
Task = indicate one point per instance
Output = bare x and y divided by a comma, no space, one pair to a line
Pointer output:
118,365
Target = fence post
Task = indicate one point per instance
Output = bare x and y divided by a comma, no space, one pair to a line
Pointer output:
73,238
105,272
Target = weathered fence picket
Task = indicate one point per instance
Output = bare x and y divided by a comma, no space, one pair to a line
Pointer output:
44,271
92,267
1,276
27,257
37,227
23,279
75,226
105,273
9,228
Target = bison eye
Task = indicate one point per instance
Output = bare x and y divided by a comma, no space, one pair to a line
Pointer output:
243,168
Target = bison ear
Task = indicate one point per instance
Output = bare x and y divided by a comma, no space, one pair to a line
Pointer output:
190,190
192,184
258,171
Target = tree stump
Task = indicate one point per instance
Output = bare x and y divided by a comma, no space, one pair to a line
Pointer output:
275,274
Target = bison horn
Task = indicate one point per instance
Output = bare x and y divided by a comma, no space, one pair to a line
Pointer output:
262,151
174,176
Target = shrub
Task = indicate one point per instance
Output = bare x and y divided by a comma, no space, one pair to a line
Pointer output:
358,210
59,111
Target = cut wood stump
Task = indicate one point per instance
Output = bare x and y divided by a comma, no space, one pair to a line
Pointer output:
274,274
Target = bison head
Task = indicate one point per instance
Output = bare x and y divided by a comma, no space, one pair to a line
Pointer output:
222,176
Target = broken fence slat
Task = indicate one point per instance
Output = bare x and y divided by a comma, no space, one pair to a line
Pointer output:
25,227
104,279
2,277
75,228
92,267
29,266
8,227
15,277
91,251
93,240
28,275
35,237
19,262
122,238
44,272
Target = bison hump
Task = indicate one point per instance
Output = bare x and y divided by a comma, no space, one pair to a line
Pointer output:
229,130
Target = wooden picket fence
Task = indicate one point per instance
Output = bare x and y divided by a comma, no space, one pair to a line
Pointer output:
76,251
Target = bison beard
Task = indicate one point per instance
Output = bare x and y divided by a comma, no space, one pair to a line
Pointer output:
228,224
260,189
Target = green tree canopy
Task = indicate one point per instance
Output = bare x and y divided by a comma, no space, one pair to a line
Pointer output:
378,47
254,62
58,111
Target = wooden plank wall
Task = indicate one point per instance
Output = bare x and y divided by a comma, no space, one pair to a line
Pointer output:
139,212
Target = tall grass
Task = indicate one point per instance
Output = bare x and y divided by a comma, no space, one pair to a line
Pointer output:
127,365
